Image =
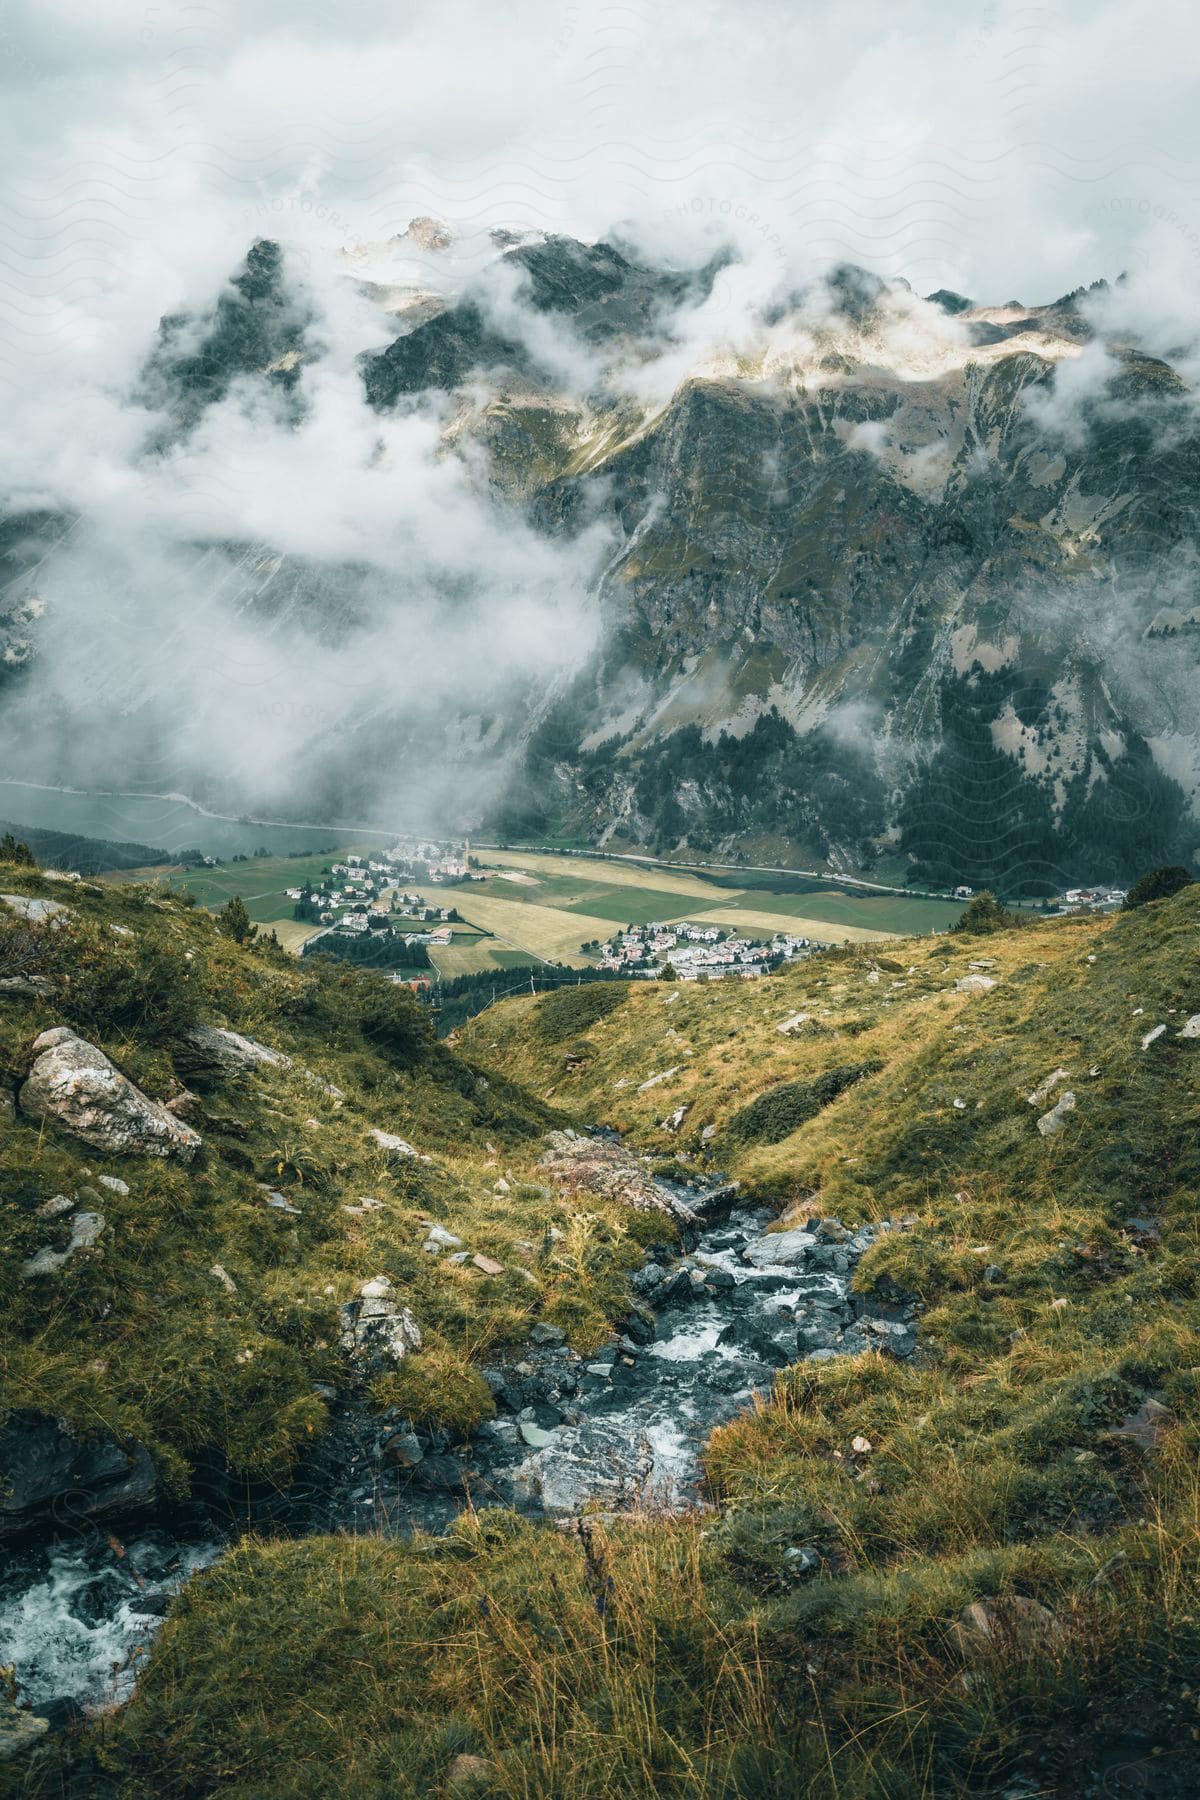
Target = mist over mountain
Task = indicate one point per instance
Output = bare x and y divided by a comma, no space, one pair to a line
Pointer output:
669,551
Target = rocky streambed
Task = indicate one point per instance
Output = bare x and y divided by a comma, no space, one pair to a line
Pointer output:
622,1428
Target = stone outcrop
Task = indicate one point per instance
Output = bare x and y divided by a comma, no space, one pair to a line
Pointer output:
87,1228
35,911
1056,1118
26,987
213,1054
974,984
396,1149
377,1331
73,1085
19,1729
603,1167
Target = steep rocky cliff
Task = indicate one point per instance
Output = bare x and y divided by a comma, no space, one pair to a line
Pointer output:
893,582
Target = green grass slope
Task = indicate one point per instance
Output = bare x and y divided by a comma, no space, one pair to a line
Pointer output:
138,1336
974,1574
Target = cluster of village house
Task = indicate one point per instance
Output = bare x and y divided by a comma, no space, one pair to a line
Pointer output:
695,950
350,900
1093,899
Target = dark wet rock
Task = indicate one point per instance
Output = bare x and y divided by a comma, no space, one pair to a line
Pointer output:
813,1336
403,1450
541,1413
50,1476
153,1606
720,1280
676,1290
64,1714
640,1331
438,1474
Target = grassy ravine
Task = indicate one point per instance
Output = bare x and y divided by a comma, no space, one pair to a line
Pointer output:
687,1656
142,1339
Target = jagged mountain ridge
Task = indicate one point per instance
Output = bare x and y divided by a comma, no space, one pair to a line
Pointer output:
881,587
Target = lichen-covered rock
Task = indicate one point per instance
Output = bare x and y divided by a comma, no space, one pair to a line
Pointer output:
974,984
396,1149
377,1331
214,1053
26,987
36,911
73,1085
603,1167
1056,1118
1011,1624
19,1730
87,1228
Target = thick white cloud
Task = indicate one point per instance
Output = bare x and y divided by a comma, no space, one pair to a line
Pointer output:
1004,152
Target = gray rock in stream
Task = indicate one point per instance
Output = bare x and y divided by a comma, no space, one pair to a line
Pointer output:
779,1249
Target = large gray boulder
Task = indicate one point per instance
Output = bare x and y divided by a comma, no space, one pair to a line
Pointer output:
780,1249
36,911
73,1085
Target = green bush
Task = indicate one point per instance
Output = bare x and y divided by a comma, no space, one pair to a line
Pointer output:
982,914
388,1015
111,989
1156,884
782,1110
572,1011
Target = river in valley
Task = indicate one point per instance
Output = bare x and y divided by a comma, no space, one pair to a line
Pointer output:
621,1430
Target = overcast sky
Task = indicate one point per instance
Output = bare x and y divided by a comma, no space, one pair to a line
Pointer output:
1003,150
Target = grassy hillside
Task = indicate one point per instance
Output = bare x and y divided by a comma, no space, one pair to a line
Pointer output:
974,1574
141,1338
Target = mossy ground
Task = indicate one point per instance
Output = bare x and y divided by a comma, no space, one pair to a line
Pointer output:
803,1638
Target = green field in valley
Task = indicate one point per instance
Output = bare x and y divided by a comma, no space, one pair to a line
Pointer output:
261,881
536,906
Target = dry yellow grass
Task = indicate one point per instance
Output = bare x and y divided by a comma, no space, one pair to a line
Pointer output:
292,933
749,918
542,930
588,870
